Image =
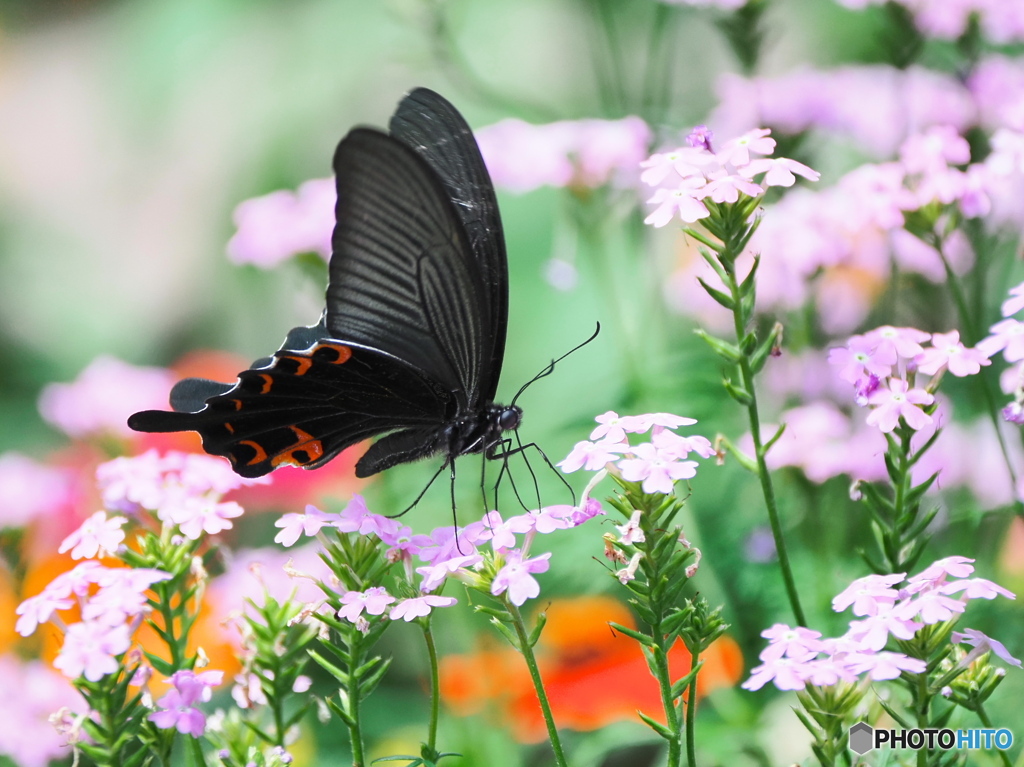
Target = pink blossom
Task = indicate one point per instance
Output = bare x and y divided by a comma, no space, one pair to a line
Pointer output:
683,162
1007,337
502,533
91,649
613,427
30,490
873,631
996,82
670,443
357,518
293,525
896,402
99,401
783,641
589,509
934,607
38,609
901,342
934,148
779,171
27,737
983,643
178,706
862,355
737,151
283,224
418,607
96,537
631,532
374,601
195,516
886,665
935,573
254,574
948,352
869,595
682,201
786,673
435,574
591,456
977,588
516,577
122,594
658,469
586,153
1015,303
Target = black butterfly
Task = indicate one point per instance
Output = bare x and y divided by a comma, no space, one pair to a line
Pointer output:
412,340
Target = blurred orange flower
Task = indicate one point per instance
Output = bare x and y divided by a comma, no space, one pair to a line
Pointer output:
592,674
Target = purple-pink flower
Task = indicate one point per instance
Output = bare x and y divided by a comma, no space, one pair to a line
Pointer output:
177,708
516,577
948,352
899,401
657,468
30,490
91,649
294,525
374,601
96,537
418,607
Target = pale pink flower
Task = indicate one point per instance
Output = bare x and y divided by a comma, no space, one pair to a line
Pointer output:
1007,337
178,706
1011,305
658,469
91,650
869,595
982,644
294,525
374,601
196,516
30,490
435,574
948,352
27,737
779,171
783,641
516,577
682,201
418,607
282,224
99,401
896,402
631,532
591,455
96,537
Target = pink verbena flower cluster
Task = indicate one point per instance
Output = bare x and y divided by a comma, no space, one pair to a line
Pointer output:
570,153
883,366
836,246
875,106
34,692
1001,21
282,224
446,552
30,490
687,177
182,489
658,464
112,603
889,606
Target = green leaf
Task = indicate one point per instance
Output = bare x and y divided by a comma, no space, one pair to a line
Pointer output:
724,299
657,726
737,392
642,638
335,671
725,350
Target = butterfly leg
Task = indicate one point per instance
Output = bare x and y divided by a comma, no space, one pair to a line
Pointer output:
505,452
424,490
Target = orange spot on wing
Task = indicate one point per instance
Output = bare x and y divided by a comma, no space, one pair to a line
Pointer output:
237,403
229,427
306,444
261,454
267,383
344,353
303,364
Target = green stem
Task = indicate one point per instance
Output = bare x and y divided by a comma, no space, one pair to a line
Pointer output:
767,487
354,692
661,671
538,684
435,691
691,717
983,716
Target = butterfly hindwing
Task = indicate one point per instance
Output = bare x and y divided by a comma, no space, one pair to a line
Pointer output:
306,406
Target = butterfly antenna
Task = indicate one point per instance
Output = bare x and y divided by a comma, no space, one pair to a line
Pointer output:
550,367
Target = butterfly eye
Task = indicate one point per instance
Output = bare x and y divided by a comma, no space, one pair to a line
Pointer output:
510,418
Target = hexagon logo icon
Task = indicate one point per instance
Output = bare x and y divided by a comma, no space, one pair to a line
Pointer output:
861,738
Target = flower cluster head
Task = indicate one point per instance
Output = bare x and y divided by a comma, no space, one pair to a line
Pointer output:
490,554
182,489
888,606
1000,22
112,603
658,464
883,365
689,177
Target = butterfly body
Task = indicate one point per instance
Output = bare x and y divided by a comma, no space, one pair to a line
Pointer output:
410,346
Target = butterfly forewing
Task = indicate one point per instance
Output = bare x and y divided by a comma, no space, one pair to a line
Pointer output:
396,232
434,129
